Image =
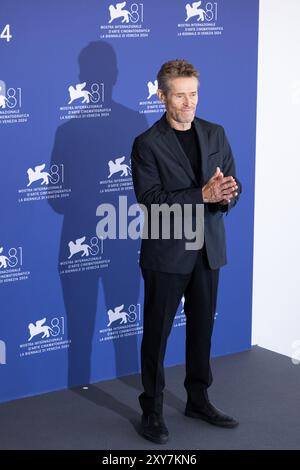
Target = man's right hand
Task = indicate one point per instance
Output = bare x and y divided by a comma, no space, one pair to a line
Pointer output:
219,188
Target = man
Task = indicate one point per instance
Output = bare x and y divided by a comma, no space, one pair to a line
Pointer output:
185,160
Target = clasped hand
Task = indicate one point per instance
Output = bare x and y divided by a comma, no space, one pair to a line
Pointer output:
220,188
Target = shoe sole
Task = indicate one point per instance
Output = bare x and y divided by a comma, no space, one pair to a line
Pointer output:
162,440
191,414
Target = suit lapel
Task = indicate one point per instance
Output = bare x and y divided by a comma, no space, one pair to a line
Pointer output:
179,154
177,151
203,142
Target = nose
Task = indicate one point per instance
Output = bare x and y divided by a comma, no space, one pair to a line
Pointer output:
187,102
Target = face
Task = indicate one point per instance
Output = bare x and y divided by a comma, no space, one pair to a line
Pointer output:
181,99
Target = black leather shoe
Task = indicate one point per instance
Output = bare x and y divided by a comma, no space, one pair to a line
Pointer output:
154,428
212,415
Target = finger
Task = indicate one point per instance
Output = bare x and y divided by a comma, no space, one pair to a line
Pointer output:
228,185
228,189
228,180
216,174
227,194
230,195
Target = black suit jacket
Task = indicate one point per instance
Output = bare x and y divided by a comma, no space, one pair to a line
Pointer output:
162,173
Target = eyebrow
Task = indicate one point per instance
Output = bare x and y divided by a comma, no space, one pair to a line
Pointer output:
185,93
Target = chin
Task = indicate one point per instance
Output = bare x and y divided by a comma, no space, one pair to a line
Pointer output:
187,117
187,120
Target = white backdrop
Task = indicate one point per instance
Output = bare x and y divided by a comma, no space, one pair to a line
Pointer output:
276,288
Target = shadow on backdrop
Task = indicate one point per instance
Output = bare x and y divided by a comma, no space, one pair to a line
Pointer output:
84,147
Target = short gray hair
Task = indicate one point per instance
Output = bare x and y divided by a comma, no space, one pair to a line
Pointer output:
175,69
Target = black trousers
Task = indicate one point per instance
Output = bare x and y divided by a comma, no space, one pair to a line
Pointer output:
163,293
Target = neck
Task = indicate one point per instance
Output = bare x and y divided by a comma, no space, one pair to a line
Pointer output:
179,126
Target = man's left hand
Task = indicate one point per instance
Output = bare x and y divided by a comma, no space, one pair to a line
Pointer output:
230,196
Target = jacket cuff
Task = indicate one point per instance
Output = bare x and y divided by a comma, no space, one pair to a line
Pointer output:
224,208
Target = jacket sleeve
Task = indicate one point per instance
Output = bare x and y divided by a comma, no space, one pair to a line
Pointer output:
229,170
147,183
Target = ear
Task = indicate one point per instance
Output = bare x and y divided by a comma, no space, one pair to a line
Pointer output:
161,96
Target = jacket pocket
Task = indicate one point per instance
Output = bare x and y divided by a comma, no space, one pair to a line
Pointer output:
214,155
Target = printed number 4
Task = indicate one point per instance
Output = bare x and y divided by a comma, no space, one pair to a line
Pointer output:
6,33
